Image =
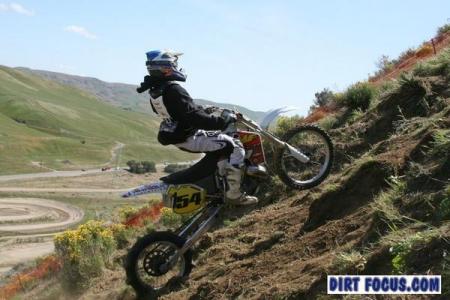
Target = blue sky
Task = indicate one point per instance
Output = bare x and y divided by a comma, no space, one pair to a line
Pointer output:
260,54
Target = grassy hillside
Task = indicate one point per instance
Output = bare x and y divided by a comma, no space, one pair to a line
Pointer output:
385,209
66,128
123,95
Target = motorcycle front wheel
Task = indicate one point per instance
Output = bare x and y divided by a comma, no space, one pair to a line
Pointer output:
313,142
147,267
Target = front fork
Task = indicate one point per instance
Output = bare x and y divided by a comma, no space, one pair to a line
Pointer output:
208,216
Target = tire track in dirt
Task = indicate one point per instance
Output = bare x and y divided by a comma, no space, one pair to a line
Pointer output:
27,226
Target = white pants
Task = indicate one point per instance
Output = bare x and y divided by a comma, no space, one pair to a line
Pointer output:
212,141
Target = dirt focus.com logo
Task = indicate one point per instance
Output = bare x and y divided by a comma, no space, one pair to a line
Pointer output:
367,284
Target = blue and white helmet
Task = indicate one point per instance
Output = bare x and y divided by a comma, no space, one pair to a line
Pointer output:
163,64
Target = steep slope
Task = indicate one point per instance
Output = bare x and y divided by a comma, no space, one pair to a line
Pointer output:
385,209
123,95
389,190
64,127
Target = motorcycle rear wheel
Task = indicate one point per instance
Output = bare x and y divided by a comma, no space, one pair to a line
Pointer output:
142,268
315,143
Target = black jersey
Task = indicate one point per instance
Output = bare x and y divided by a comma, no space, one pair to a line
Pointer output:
186,117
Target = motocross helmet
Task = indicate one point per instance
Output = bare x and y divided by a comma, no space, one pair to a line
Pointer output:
163,65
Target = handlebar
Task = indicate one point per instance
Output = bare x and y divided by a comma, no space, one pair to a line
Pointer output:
145,85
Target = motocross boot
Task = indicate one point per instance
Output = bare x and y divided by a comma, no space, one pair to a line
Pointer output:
234,194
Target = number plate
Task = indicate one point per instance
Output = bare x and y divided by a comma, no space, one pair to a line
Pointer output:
186,198
253,146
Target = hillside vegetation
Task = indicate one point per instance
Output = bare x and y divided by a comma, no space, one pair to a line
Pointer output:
42,121
124,95
385,209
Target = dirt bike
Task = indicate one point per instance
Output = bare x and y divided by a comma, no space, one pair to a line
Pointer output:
302,160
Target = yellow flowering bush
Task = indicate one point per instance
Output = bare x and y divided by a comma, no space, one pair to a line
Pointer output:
126,212
121,235
169,218
84,252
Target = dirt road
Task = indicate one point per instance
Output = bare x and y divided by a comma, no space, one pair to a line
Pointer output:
27,226
51,174
61,190
115,157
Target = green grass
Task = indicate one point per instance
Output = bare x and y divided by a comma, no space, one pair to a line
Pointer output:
359,96
441,142
346,261
47,122
401,250
439,65
384,204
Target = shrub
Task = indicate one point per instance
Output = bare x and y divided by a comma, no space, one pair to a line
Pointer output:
384,204
284,124
323,98
141,167
143,216
328,122
121,235
43,268
149,166
150,227
403,249
441,142
132,166
169,218
126,212
440,65
388,87
443,29
406,54
359,96
84,252
355,115
384,65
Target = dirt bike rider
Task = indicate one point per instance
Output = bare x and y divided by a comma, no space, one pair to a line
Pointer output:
189,126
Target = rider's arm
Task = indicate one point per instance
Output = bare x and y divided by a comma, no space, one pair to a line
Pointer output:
181,107
153,108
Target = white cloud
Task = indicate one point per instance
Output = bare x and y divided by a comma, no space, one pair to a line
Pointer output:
17,8
81,31
20,9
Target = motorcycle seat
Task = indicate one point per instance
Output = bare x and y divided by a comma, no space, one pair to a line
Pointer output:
202,169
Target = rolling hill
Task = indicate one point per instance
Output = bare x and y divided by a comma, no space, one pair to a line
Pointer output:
123,95
62,127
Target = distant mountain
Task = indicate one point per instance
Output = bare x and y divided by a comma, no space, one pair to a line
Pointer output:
62,127
123,95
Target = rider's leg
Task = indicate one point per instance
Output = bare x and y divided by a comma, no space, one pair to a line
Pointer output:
207,141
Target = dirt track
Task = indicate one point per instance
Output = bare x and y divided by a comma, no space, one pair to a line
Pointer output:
27,226
52,174
61,190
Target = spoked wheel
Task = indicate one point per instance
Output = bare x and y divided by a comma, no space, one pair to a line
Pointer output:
150,266
313,142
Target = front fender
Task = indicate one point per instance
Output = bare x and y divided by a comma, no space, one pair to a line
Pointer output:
272,114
